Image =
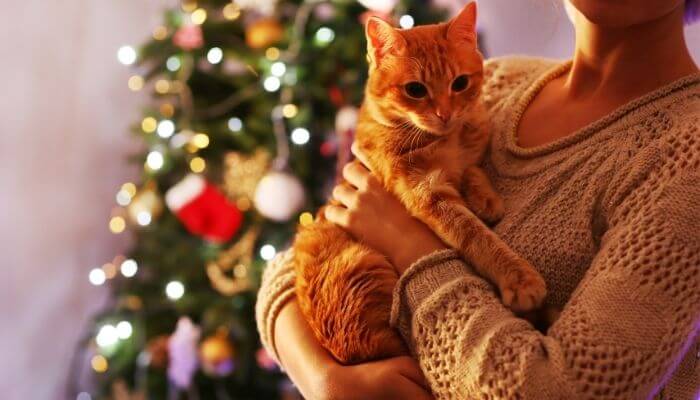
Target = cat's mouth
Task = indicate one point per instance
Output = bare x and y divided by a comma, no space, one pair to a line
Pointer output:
416,138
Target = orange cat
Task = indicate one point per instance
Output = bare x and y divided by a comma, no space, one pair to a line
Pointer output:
422,128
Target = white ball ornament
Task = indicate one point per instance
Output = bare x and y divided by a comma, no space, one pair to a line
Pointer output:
279,196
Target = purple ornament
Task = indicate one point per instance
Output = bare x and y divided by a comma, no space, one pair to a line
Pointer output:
182,348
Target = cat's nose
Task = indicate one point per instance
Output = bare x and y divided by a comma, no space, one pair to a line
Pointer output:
444,114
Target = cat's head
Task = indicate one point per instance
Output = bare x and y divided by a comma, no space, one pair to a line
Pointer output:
425,77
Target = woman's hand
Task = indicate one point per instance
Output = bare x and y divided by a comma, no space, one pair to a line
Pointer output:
393,378
318,376
377,218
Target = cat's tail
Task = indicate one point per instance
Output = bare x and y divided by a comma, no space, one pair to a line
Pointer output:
345,289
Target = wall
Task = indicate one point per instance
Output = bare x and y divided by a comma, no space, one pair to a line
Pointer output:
64,114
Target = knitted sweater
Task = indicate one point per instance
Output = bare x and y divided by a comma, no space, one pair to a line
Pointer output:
610,215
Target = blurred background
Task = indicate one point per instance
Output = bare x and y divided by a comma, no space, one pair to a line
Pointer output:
81,120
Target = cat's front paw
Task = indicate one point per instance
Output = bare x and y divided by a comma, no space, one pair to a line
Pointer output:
523,289
489,209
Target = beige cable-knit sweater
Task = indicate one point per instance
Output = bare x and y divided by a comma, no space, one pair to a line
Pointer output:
610,216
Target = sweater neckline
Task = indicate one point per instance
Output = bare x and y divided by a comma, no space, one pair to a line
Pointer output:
587,130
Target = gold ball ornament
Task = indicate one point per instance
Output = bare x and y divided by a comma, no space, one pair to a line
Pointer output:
263,33
216,354
146,205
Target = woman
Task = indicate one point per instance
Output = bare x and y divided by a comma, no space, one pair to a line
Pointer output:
598,160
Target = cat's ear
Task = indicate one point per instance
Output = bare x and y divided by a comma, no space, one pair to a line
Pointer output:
463,26
382,39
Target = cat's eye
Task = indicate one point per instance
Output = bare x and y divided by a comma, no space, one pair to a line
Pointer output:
460,83
416,90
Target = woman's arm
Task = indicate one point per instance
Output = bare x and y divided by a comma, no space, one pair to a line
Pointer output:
287,336
623,332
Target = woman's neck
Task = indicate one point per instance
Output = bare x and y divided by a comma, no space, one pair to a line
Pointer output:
628,62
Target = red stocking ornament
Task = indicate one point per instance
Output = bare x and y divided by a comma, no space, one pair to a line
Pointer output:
203,209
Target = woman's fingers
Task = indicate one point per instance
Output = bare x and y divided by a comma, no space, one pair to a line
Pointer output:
345,194
355,149
337,215
357,175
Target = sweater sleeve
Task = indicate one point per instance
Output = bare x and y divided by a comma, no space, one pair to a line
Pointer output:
276,290
622,333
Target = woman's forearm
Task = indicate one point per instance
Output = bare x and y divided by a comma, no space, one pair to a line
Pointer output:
305,361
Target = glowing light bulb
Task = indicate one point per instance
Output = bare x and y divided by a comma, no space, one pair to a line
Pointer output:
124,330
278,68
126,55
198,16
143,218
272,53
173,64
324,35
198,164
117,224
290,110
406,21
154,160
201,140
149,125
215,55
306,218
97,276
129,268
175,290
135,83
267,252
123,197
231,11
99,364
166,128
300,136
235,124
272,83
107,336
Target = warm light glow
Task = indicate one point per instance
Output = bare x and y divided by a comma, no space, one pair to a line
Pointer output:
160,32
300,136
135,83
130,188
107,336
406,21
126,55
201,140
129,268
306,219
215,55
97,276
162,86
117,224
290,110
278,68
267,252
166,128
235,124
324,35
272,83
154,160
199,16
243,204
198,164
173,63
189,5
231,11
272,53
99,364
143,218
149,124
167,109
124,330
175,290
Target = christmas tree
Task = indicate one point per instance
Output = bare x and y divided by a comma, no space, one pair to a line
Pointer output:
253,108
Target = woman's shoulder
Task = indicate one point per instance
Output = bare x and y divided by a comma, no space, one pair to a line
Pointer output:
509,75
